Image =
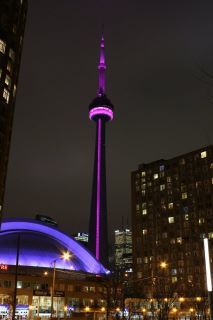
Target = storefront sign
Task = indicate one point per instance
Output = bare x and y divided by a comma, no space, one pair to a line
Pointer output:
3,267
59,293
41,293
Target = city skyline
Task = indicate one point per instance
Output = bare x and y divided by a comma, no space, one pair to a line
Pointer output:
156,55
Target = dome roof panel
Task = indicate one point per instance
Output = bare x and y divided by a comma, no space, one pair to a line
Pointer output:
41,244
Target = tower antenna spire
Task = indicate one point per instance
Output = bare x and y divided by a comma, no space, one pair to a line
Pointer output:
101,66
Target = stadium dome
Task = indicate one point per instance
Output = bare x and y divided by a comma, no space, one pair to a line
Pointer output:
41,245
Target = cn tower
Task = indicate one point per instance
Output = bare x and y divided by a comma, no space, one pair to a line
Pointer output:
100,111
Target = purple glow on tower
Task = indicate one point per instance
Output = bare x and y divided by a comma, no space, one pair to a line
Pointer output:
101,111
101,68
98,192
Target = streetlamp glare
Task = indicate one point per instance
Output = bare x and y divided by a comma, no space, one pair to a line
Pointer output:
66,255
163,265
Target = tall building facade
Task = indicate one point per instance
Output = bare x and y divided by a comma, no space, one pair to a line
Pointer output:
172,210
100,111
123,249
12,24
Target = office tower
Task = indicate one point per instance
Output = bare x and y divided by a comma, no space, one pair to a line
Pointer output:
81,237
12,24
172,210
100,111
123,249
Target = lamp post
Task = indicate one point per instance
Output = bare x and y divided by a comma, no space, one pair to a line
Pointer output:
16,276
65,256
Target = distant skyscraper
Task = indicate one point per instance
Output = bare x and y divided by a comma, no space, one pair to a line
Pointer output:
81,237
123,249
12,24
172,210
100,111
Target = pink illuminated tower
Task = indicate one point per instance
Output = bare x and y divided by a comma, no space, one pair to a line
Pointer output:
100,111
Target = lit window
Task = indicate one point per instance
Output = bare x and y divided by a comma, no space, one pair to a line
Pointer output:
145,260
143,205
172,241
162,187
143,193
139,275
144,211
2,46
139,260
174,271
162,174
179,240
145,231
212,180
171,219
6,95
143,173
184,195
203,154
182,161
143,187
186,217
8,81
155,176
19,284
12,54
169,179
9,66
210,235
170,205
201,220
162,167
174,279
137,207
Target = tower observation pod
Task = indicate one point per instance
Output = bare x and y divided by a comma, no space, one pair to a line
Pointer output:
100,111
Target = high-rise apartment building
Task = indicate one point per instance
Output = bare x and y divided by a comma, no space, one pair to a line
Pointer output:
172,210
12,24
123,249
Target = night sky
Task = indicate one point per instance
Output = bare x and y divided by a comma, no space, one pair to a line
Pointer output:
157,53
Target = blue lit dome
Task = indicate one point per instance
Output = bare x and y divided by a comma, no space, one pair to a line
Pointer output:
41,244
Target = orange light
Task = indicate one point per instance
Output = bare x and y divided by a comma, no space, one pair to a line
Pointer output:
163,265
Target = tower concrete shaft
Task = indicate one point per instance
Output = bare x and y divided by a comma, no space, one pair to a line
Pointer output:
101,111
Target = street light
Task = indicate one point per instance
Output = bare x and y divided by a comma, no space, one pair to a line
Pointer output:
163,264
208,275
64,256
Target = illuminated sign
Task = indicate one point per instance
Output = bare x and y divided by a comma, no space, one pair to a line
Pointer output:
3,267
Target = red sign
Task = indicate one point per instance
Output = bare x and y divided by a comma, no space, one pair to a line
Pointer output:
3,267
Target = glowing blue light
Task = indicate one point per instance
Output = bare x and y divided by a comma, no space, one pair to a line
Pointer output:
55,242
